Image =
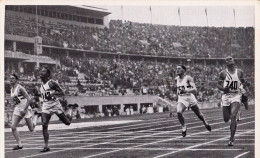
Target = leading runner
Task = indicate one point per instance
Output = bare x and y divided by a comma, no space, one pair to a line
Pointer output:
49,90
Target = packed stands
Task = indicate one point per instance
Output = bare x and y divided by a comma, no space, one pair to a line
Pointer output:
142,39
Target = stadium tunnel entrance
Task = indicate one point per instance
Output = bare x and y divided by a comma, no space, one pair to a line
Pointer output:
146,107
91,109
130,109
111,110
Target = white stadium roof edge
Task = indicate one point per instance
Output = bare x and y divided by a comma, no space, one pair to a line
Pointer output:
93,8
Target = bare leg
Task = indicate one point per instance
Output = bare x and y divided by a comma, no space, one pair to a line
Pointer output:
64,118
15,121
45,122
233,126
180,109
196,110
239,114
35,119
30,124
226,113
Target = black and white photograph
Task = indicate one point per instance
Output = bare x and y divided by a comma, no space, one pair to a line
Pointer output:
129,79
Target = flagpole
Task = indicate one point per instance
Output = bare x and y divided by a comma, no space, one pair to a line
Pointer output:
179,13
206,12
122,14
151,15
234,16
234,12
36,21
36,29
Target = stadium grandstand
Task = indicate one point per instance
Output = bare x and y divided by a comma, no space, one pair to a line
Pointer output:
92,57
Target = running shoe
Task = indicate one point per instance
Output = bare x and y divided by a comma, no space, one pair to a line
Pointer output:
208,127
45,149
230,143
239,118
17,147
239,115
184,131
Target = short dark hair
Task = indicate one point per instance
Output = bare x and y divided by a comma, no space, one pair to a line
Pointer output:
16,77
48,70
228,58
183,67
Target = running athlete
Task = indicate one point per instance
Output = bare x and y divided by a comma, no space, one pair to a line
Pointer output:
49,90
185,89
21,101
229,82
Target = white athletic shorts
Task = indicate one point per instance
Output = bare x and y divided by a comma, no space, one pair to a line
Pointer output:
229,98
188,100
52,107
18,111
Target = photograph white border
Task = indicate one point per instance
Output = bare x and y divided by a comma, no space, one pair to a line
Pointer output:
136,3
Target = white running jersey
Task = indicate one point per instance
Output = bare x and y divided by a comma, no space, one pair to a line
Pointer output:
17,97
232,81
46,91
183,84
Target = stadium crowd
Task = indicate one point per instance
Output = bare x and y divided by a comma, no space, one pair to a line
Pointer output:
137,38
113,76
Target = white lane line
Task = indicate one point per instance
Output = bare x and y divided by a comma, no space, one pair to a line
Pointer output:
53,135
127,138
144,149
59,132
75,125
112,134
242,154
169,119
133,137
134,143
223,135
118,131
144,139
131,132
122,127
201,144
152,143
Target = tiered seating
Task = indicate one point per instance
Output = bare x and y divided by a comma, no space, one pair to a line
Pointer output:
144,39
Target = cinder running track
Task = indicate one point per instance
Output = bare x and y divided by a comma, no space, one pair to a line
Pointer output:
149,135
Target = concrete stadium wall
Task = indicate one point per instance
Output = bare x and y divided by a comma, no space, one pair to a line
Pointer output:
112,100
121,100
